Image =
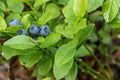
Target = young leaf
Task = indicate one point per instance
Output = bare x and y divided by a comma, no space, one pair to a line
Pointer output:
22,0
79,8
62,1
39,2
110,10
31,59
63,70
94,4
80,25
118,2
65,53
50,40
3,24
116,22
61,29
2,14
72,73
2,6
69,14
26,21
44,66
55,8
52,11
47,78
15,6
20,42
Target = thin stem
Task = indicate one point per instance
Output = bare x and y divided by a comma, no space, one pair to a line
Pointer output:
107,65
99,63
88,72
90,69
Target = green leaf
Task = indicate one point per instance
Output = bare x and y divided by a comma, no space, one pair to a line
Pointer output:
26,21
50,40
9,52
85,33
44,65
39,2
64,30
2,14
63,70
82,51
72,73
65,53
15,6
62,1
30,60
69,14
20,42
110,10
54,8
80,25
47,78
94,4
118,2
23,0
2,6
79,8
116,22
52,11
14,29
3,24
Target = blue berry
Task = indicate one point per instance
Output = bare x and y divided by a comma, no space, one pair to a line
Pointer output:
33,29
44,30
22,32
14,22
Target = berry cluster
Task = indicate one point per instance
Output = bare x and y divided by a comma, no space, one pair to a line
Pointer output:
33,29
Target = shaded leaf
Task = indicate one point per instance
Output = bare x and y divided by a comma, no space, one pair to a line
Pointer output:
9,52
30,60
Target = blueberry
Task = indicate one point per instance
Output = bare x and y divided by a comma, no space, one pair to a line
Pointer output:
44,30
22,32
33,29
14,22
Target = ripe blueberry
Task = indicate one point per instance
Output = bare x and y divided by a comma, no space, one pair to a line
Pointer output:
14,22
33,29
44,30
22,32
